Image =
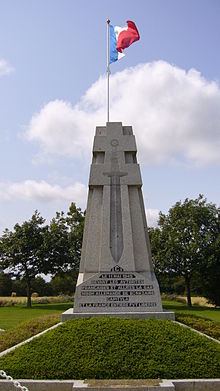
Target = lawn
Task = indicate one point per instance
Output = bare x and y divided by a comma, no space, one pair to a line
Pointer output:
10,317
26,330
21,323
204,312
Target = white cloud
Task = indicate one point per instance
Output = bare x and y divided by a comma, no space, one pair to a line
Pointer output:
175,116
59,130
42,191
152,217
5,67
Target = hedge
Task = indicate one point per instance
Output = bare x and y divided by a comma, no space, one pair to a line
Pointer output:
26,330
206,326
113,348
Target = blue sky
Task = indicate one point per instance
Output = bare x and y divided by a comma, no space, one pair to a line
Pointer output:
53,94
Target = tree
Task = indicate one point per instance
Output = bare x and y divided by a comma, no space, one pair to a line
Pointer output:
184,240
64,283
5,284
40,286
23,251
75,221
33,248
58,245
210,273
64,240
19,287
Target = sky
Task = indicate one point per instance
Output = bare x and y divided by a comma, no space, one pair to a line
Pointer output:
53,94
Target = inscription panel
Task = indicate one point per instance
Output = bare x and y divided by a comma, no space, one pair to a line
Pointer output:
117,291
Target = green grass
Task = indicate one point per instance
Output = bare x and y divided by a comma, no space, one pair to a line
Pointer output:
206,326
10,317
26,330
110,348
204,312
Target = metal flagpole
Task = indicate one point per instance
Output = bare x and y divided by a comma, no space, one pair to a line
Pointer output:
108,68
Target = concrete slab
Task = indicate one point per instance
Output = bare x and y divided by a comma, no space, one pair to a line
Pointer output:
83,385
197,385
70,314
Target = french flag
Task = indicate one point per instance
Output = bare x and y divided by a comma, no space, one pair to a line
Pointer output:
121,38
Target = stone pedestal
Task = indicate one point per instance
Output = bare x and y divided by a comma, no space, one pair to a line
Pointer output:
116,276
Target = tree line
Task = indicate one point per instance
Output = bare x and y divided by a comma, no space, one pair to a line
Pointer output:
34,248
185,248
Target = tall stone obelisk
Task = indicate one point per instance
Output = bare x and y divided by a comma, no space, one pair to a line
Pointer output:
116,275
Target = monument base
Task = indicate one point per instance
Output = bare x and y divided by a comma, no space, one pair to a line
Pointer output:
71,314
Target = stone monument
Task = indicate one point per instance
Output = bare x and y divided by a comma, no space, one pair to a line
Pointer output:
116,276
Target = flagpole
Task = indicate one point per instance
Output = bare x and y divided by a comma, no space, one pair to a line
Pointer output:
108,68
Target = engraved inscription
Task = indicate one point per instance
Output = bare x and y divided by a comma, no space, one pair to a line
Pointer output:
149,304
117,289
117,293
117,269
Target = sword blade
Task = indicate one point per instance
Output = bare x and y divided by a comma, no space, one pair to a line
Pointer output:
116,230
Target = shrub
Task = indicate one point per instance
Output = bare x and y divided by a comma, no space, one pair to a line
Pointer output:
53,299
173,297
11,301
112,348
203,325
7,303
27,330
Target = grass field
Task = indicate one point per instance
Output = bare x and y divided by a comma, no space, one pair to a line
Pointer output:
21,323
26,330
12,316
202,311
198,300
11,301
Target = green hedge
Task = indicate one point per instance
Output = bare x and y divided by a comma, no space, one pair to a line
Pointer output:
26,330
206,326
112,348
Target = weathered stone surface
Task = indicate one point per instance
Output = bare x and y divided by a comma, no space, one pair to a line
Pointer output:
116,272
131,385
70,314
118,291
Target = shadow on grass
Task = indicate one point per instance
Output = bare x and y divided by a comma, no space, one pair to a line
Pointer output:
182,307
52,307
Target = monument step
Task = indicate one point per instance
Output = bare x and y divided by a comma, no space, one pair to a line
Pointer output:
96,385
70,314
82,385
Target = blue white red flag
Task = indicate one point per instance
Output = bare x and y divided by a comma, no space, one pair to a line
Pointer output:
121,38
